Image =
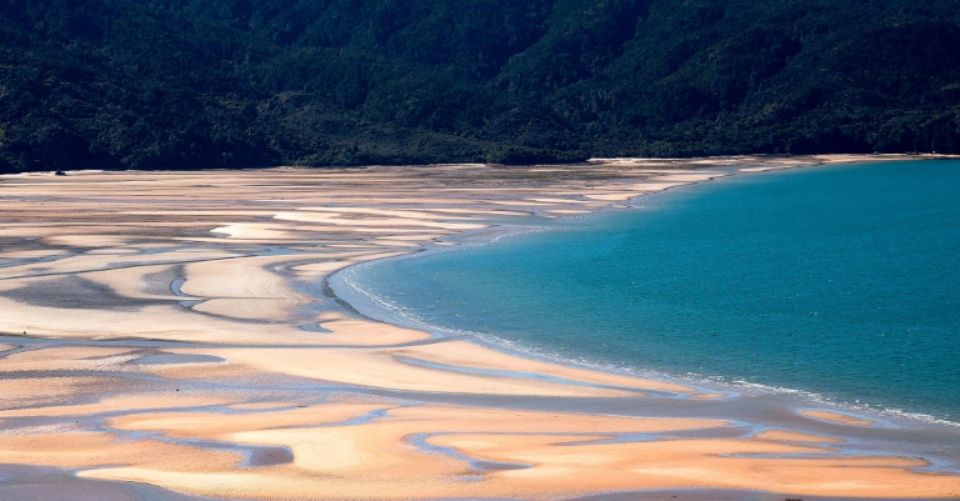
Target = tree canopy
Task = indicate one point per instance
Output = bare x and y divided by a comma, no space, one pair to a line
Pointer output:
234,83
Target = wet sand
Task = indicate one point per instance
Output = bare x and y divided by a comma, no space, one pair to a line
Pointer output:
171,334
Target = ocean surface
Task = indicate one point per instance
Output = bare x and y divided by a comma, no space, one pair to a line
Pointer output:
843,281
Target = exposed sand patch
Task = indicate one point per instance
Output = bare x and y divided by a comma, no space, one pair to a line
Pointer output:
381,369
362,332
836,417
793,436
126,403
461,353
85,449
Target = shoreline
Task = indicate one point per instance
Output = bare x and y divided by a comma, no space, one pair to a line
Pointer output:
371,306
719,385
181,324
586,162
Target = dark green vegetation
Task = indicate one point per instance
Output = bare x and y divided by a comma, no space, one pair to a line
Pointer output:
218,83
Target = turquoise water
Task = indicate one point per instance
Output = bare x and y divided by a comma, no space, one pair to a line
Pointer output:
843,281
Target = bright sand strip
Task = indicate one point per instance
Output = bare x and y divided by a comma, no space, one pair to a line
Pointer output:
175,329
836,417
792,436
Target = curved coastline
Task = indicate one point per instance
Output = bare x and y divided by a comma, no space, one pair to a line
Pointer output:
346,284
371,306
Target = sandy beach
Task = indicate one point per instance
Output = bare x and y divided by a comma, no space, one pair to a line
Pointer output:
172,334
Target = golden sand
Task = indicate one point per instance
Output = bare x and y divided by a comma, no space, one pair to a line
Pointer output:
792,436
836,417
176,331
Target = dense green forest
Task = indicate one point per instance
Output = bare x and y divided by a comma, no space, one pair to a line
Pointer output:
234,83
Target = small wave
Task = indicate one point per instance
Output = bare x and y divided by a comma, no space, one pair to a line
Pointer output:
345,287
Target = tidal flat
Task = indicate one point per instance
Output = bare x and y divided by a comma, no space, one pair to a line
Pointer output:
173,334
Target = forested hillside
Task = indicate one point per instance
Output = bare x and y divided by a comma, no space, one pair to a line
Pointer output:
234,83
